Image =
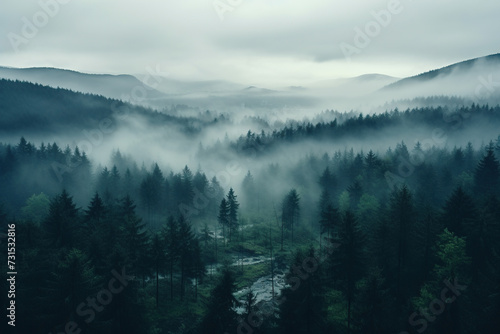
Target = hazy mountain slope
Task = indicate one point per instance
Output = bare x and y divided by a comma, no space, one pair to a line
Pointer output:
113,86
171,86
42,109
352,87
478,79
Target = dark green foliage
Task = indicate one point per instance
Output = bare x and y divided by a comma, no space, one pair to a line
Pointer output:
232,215
487,174
220,316
304,308
63,221
459,211
290,210
348,261
383,253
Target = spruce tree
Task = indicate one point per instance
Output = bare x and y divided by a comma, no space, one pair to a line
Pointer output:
290,209
348,261
61,224
303,309
232,216
223,218
487,174
220,316
171,237
459,211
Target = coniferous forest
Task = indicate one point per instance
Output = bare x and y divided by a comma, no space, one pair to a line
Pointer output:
349,223
249,167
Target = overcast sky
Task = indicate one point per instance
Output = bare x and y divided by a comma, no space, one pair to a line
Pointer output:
255,42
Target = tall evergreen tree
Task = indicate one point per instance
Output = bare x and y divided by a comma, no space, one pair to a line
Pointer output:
232,216
487,174
72,281
304,308
186,241
220,316
402,218
133,236
156,251
459,211
348,262
451,269
62,222
98,233
249,191
290,209
223,218
172,240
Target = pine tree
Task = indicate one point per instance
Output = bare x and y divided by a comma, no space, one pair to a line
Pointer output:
451,269
186,240
327,181
72,281
171,236
290,209
216,194
329,219
152,194
220,316
96,212
197,270
487,174
373,305
348,262
98,234
402,220
355,191
232,216
223,217
133,236
156,251
104,185
459,211
372,164
187,194
303,309
115,183
249,191
62,222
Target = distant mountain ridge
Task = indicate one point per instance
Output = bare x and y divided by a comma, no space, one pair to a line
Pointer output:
112,86
464,66
476,80
37,109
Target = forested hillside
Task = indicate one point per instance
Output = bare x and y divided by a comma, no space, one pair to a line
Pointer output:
368,241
